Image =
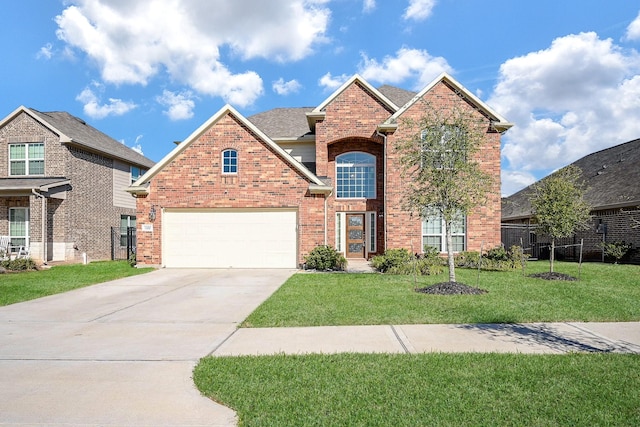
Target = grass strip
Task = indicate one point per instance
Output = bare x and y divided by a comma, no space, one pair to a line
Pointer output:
24,286
426,389
605,293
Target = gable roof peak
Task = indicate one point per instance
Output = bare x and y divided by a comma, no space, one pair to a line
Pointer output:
498,121
356,78
140,186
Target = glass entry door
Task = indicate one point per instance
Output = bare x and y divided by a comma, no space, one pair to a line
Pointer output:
355,236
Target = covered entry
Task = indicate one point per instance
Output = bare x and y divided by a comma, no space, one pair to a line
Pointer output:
244,238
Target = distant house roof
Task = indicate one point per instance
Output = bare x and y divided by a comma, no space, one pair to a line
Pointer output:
73,130
283,123
612,178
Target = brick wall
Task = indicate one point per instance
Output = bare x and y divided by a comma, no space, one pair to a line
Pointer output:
483,225
84,218
194,179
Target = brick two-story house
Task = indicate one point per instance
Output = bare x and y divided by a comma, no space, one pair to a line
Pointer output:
263,191
62,185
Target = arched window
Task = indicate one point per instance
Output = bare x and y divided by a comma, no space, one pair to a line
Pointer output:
230,161
356,176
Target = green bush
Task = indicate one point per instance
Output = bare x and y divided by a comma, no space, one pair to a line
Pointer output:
401,261
20,264
325,258
496,259
615,250
467,259
391,259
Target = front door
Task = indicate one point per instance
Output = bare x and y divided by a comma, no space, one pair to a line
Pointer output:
355,235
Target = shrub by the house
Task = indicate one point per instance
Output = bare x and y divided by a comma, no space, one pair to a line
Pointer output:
325,258
401,261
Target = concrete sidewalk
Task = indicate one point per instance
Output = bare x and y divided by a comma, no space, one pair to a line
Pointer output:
535,338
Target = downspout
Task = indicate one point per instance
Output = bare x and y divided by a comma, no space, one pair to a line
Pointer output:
43,223
384,185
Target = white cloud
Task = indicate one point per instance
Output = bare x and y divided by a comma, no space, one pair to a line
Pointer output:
133,41
408,64
633,30
93,108
45,51
368,5
180,105
514,181
285,88
137,146
419,10
330,82
580,95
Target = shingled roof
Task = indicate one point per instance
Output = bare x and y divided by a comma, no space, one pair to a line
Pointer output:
283,122
91,138
612,178
396,95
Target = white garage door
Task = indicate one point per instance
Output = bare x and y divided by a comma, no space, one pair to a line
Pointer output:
229,239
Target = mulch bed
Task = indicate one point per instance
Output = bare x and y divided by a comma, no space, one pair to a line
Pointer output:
553,276
451,288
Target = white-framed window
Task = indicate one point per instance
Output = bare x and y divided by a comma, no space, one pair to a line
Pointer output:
444,146
126,221
19,227
26,159
230,161
370,228
356,176
434,233
136,173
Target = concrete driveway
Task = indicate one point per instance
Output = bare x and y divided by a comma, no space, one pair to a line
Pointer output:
121,353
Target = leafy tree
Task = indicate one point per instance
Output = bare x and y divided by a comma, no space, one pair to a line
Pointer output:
439,162
558,205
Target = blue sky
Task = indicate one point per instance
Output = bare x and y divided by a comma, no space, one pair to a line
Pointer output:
149,72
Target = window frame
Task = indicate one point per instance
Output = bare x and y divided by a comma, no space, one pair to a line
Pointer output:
27,159
444,130
361,188
22,237
133,176
442,234
230,163
131,221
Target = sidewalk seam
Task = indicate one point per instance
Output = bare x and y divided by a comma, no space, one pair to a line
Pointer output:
223,341
400,340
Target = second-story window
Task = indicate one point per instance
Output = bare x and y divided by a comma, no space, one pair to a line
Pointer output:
26,159
230,161
356,176
136,173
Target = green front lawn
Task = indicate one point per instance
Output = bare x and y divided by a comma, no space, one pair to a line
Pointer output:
426,389
605,292
23,286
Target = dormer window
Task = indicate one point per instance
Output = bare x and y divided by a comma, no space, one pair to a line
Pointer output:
229,161
26,159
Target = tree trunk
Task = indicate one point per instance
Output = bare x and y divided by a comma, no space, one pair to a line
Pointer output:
553,249
452,266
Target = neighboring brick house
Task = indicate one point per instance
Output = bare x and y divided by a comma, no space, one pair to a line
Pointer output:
65,180
612,182
264,191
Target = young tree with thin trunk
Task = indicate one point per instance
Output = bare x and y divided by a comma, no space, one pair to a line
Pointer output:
558,205
439,163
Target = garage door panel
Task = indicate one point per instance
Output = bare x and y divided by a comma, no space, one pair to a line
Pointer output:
241,239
